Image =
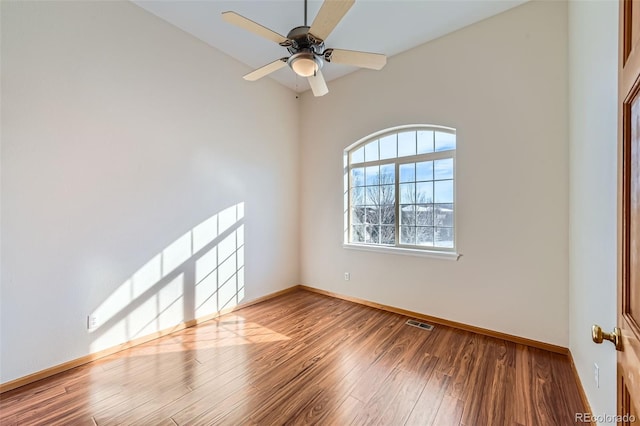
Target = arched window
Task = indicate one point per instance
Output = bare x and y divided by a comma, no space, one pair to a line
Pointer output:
399,189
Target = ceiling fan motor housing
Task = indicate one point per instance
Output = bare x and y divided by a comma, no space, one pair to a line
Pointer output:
299,39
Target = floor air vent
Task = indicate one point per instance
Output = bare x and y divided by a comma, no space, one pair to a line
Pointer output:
419,324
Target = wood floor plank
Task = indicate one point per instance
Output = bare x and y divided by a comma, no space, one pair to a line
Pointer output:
235,409
498,385
428,404
340,373
9,420
450,412
305,358
141,404
475,394
543,389
405,398
345,413
384,408
319,408
20,402
320,369
524,384
461,366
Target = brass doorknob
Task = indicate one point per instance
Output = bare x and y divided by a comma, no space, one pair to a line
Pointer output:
598,336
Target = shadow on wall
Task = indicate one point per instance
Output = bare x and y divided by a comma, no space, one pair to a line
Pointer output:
199,274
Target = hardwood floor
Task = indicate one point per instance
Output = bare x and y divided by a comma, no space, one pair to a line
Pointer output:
306,358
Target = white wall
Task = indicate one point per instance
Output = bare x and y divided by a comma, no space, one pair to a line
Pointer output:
503,84
593,47
121,133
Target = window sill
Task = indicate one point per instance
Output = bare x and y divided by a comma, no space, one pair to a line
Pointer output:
446,255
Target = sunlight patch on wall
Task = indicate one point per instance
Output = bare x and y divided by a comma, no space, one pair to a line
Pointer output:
177,253
220,275
146,276
198,274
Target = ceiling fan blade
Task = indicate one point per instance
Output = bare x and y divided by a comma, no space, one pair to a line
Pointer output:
374,61
265,70
254,27
330,13
318,85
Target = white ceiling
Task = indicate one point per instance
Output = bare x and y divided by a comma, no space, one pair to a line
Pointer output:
380,26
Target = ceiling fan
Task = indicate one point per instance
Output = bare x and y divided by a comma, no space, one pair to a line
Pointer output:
306,46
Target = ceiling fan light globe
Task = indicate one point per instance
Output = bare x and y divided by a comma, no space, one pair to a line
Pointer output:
304,67
304,64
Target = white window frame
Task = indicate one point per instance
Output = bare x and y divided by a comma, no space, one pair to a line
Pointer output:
398,248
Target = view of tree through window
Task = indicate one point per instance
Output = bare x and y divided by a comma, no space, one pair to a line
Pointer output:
399,189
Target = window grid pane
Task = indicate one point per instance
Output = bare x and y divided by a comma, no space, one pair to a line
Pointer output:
406,144
443,169
388,147
408,172
445,141
357,156
408,235
371,151
424,170
424,236
425,141
357,177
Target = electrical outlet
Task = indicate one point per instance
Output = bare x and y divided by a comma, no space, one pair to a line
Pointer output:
347,276
92,322
596,374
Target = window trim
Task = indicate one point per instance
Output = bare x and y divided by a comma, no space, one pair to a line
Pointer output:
397,248
406,251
